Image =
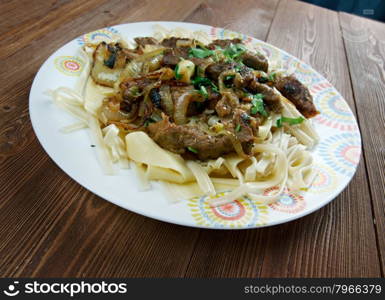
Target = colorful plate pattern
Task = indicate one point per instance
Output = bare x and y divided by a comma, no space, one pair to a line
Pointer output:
337,155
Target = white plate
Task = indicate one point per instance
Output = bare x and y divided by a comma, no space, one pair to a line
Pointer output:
336,156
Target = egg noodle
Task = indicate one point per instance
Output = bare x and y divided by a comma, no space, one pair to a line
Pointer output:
280,158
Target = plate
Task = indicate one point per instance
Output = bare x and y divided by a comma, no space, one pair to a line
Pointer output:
336,156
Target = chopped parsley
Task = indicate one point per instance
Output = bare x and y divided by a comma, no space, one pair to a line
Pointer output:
290,121
228,80
234,51
200,52
176,72
191,149
203,81
238,128
271,76
203,91
258,105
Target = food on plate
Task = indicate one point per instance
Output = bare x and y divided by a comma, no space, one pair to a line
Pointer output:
201,116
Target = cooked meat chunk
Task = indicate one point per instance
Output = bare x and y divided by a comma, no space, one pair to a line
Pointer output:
270,96
212,98
172,57
177,138
223,43
142,41
298,94
174,42
243,131
256,61
214,70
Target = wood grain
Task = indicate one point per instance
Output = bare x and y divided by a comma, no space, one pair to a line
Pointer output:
331,241
365,47
247,16
52,227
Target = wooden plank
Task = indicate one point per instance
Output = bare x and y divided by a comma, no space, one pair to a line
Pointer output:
247,16
336,241
50,226
365,47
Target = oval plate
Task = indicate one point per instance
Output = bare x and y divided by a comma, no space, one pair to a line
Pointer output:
336,156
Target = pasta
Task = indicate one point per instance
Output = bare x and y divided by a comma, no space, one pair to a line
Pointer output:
215,118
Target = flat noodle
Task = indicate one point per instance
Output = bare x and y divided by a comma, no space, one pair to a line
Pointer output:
202,178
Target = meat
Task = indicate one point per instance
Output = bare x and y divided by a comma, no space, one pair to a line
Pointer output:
214,70
256,61
142,41
223,43
298,94
172,57
177,139
270,97
212,98
174,42
243,131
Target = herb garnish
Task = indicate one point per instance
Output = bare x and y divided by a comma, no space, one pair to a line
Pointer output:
290,121
176,73
203,81
191,149
258,105
200,52
203,91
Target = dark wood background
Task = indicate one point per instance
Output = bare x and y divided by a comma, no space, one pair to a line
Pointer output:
50,226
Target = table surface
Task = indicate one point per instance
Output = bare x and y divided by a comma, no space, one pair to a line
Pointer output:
50,226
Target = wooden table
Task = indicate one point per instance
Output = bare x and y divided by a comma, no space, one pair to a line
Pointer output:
51,226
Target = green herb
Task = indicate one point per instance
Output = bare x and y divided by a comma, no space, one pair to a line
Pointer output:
271,76
258,105
263,79
203,81
234,51
200,52
203,91
238,128
229,77
290,121
239,67
228,80
176,72
191,149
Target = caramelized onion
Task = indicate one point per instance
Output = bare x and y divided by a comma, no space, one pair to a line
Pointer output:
221,78
118,115
236,144
182,104
167,104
